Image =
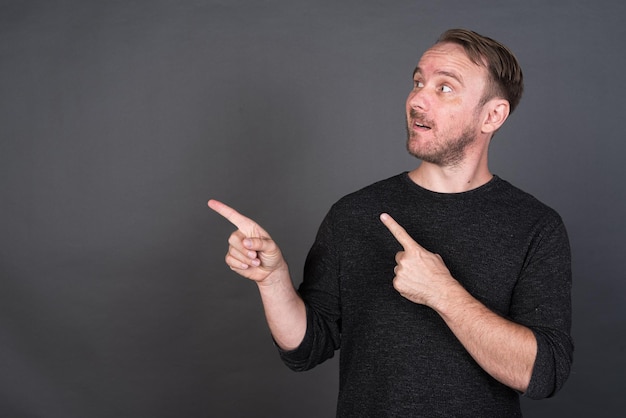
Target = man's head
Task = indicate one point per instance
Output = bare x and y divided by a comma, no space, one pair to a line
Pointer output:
506,78
464,88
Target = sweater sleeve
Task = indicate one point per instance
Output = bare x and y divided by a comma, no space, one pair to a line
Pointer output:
320,292
542,302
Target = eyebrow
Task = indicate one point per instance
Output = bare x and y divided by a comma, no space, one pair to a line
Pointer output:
444,73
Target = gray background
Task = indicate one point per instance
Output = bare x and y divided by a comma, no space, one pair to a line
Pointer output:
120,119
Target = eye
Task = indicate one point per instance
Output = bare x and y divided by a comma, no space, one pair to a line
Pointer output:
445,89
417,84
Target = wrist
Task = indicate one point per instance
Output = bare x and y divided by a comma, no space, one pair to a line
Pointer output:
448,301
278,276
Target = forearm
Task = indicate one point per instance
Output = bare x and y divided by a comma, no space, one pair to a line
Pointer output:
284,309
253,254
504,349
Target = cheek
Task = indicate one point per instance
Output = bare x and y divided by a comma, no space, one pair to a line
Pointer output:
456,101
459,116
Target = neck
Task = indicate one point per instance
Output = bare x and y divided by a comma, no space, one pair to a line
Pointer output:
471,173
442,180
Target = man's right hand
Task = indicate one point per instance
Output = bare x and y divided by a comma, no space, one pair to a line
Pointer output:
252,253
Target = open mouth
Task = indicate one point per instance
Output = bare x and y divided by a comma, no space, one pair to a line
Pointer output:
420,125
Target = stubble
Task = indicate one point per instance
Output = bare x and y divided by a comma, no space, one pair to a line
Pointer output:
445,151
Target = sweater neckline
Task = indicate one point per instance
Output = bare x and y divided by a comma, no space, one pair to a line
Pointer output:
490,185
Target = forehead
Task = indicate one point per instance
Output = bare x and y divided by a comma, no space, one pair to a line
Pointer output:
449,58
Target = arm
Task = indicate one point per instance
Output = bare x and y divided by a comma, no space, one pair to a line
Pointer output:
254,255
504,349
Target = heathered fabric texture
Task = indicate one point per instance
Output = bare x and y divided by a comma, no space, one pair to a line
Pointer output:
398,358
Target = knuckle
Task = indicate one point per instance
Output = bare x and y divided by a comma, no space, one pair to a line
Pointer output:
232,240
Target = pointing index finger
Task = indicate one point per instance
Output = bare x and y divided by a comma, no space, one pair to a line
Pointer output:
241,222
397,231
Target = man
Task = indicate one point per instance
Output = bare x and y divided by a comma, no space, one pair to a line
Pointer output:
446,288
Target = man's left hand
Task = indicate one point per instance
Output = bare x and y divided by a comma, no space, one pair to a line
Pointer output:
420,276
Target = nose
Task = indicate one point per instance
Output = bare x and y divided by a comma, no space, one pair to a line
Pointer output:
417,99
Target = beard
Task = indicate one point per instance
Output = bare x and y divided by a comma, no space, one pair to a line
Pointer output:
447,151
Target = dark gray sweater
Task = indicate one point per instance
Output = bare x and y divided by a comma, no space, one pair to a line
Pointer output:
399,359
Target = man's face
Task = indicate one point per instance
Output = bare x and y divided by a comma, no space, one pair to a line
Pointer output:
443,110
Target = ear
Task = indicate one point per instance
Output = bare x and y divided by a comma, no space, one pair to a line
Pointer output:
497,112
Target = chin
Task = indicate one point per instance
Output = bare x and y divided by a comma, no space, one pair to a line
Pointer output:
415,152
